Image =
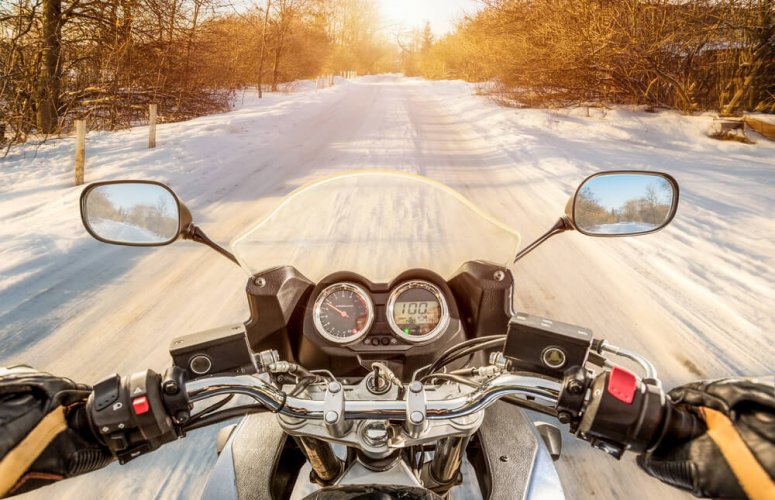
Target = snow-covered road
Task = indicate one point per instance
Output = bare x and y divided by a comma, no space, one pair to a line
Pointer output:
696,298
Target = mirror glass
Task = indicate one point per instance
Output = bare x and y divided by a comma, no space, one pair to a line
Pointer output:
132,213
623,204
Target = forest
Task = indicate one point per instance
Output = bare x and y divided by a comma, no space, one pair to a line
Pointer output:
690,55
105,60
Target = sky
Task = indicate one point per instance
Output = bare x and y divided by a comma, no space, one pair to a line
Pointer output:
442,14
614,190
128,195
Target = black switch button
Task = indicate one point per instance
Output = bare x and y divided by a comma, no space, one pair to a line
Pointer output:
106,392
118,441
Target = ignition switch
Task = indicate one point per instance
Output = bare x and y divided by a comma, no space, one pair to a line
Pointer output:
381,379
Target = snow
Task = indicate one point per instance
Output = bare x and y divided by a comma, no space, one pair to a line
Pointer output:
762,117
120,231
621,228
696,298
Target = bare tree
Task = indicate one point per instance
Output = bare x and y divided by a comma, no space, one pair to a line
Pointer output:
50,79
263,48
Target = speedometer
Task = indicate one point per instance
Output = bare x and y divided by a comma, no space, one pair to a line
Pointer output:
343,313
417,311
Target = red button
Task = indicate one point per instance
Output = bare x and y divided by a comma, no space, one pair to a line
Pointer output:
140,405
622,384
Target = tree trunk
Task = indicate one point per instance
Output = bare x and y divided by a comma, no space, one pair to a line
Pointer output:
276,68
189,44
50,78
280,43
263,49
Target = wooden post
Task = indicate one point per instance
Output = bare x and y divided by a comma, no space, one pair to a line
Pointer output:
151,126
80,150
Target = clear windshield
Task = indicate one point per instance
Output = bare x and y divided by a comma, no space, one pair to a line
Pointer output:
377,224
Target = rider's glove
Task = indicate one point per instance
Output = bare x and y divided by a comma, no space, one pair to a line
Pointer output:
44,435
735,457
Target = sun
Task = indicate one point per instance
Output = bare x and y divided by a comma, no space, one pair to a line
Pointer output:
413,14
405,14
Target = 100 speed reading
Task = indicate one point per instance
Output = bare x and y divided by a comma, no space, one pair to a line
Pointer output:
417,311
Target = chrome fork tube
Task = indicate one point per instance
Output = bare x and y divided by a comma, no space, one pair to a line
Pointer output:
321,457
448,458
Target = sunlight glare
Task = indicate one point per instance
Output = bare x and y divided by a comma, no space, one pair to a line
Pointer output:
411,14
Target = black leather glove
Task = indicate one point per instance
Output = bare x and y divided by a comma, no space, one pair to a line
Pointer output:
735,457
44,434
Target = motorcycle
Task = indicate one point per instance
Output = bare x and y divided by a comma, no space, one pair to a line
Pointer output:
383,355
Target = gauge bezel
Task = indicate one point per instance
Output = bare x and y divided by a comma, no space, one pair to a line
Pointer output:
352,287
440,328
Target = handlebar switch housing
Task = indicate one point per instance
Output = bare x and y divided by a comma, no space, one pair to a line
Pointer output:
623,413
129,416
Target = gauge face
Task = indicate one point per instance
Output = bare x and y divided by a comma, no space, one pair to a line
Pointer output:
417,311
343,313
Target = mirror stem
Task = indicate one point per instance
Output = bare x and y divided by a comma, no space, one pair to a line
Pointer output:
195,234
562,225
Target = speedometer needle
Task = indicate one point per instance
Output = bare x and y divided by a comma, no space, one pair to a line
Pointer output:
343,313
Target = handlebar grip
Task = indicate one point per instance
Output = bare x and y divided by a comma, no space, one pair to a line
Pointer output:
679,425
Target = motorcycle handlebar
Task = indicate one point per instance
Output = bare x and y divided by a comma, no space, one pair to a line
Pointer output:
609,422
131,424
277,401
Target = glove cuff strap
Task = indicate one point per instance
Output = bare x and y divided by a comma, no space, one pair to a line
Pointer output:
752,477
19,459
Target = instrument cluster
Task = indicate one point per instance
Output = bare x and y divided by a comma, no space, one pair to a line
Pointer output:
414,310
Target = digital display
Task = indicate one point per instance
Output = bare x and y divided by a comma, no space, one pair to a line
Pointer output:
417,317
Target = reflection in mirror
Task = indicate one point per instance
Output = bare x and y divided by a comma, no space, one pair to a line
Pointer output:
623,204
132,213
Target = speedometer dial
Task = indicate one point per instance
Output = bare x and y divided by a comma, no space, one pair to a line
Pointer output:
343,313
417,311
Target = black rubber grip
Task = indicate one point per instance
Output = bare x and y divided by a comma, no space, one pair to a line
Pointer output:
680,425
